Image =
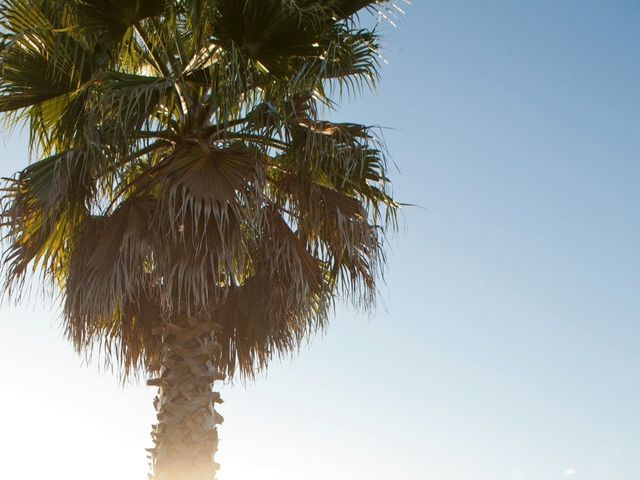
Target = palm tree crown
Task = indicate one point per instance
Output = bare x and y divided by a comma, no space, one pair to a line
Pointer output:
182,167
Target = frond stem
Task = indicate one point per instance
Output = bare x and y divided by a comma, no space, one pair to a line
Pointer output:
164,69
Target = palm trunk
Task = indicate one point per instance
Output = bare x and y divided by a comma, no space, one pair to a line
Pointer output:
185,437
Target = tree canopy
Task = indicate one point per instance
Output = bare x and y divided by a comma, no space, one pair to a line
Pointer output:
181,165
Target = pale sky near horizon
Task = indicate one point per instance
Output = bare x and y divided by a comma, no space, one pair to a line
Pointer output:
507,344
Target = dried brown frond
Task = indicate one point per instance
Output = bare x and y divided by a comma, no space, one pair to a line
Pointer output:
110,264
209,199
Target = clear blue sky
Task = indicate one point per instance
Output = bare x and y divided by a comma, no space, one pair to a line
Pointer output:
508,344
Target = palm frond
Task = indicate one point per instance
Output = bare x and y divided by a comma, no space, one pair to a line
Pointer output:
42,207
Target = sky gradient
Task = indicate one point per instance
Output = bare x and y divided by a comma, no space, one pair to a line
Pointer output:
507,341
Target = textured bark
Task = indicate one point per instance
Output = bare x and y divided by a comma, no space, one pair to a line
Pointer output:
185,437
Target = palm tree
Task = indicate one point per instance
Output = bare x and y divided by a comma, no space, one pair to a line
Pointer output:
187,205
